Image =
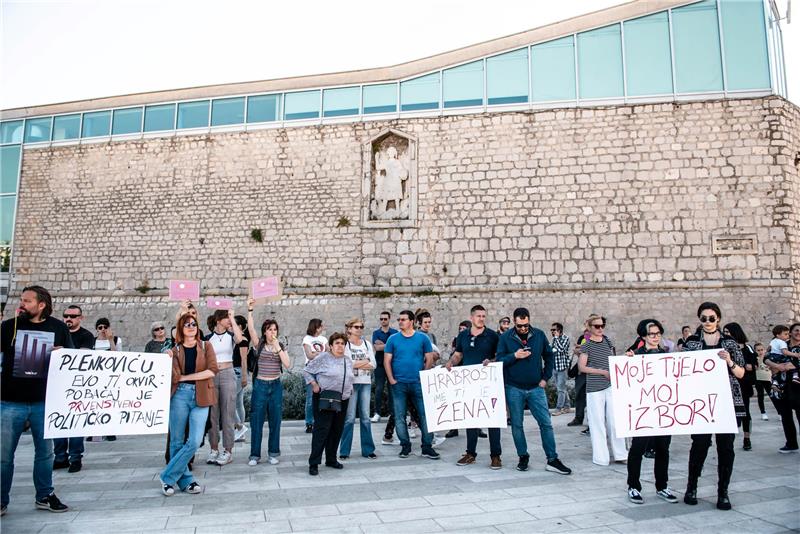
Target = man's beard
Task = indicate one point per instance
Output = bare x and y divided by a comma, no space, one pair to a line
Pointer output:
24,314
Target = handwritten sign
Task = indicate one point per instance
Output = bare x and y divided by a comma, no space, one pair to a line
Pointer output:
265,288
669,394
184,290
219,303
472,396
101,393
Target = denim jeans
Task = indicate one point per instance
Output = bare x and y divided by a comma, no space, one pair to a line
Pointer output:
309,406
359,402
12,421
240,415
402,393
561,386
182,408
68,449
266,402
536,401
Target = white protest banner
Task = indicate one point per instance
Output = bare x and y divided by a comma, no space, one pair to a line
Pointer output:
669,394
102,393
472,396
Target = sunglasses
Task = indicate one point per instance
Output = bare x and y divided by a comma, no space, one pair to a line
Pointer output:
190,325
602,325
158,329
358,326
71,315
553,330
708,318
384,318
522,326
101,327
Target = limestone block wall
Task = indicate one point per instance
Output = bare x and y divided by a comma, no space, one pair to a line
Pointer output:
616,208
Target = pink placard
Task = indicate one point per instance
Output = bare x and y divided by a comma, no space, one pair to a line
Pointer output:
219,303
263,288
184,290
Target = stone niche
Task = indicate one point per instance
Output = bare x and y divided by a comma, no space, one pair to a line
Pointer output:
390,180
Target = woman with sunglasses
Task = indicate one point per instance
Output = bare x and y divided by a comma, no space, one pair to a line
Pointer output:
593,361
194,366
160,342
709,336
360,351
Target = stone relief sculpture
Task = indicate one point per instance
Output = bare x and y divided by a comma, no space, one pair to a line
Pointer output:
390,177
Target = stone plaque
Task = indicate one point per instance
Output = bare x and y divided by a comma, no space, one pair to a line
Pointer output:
390,180
734,244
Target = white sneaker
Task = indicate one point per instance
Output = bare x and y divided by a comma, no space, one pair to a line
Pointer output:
238,436
764,417
412,431
438,440
273,460
393,441
212,457
224,458
253,462
375,418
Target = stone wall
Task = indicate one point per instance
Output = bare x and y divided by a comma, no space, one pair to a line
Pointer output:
615,210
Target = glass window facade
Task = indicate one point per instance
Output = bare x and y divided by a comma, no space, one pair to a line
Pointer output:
600,63
463,85
159,118
380,98
648,60
695,37
7,207
507,78
746,54
127,121
420,93
66,127
96,124
37,130
553,70
226,111
262,108
341,102
193,115
9,168
11,132
301,105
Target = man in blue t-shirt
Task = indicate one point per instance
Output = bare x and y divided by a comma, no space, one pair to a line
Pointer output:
379,339
406,354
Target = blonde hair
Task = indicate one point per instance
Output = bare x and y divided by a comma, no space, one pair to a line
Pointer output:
353,321
593,317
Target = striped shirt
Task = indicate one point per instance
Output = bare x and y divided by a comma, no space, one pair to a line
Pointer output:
269,363
598,353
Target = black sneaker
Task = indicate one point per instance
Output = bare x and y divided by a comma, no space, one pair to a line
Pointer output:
787,450
523,463
482,434
313,470
405,451
167,489
575,422
650,454
451,434
309,429
3,510
634,496
60,464
111,438
431,453
74,467
585,432
556,466
52,504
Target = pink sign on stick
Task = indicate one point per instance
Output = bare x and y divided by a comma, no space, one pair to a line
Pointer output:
263,288
184,290
219,303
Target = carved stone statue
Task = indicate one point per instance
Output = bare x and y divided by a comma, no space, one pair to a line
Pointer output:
391,175
390,179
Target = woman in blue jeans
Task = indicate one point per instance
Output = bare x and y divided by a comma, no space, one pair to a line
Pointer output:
360,351
266,401
194,366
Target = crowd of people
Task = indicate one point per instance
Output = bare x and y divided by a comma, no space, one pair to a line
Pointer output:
210,373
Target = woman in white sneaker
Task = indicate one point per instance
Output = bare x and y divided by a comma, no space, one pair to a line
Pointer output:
360,351
652,345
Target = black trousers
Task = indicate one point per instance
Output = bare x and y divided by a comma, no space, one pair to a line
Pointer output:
580,397
788,411
639,445
762,388
390,424
327,432
747,394
381,385
725,456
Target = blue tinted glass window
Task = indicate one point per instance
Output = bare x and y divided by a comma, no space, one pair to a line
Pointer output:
127,121
745,36
158,118
343,101
66,127
9,168
380,98
227,111
507,78
96,124
600,63
37,130
302,105
262,108
463,85
11,132
420,93
7,206
695,38
648,63
193,114
553,70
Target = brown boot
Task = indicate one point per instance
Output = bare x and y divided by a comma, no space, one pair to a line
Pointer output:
496,463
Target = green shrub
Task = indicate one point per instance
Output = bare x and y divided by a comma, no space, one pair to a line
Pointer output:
294,396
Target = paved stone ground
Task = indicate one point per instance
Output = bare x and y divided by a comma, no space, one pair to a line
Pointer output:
118,491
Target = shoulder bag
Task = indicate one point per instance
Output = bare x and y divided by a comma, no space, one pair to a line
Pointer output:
330,400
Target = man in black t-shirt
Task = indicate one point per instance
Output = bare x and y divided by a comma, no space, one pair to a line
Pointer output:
69,451
27,341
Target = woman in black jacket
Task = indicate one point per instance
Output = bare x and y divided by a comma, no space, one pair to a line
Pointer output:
748,381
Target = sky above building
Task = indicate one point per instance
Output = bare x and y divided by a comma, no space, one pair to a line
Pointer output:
61,51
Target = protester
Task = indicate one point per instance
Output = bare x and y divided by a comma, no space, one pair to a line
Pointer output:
69,451
686,331
314,343
225,336
463,325
477,345
561,357
105,340
786,396
194,366
639,444
266,401
710,337
360,351
763,379
503,325
23,387
778,347
580,383
159,342
527,365
746,384
379,338
594,362
330,375
241,364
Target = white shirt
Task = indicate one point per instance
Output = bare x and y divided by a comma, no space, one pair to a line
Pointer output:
776,346
223,346
315,343
361,352
104,344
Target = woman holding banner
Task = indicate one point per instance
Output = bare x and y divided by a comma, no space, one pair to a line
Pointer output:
710,337
194,366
